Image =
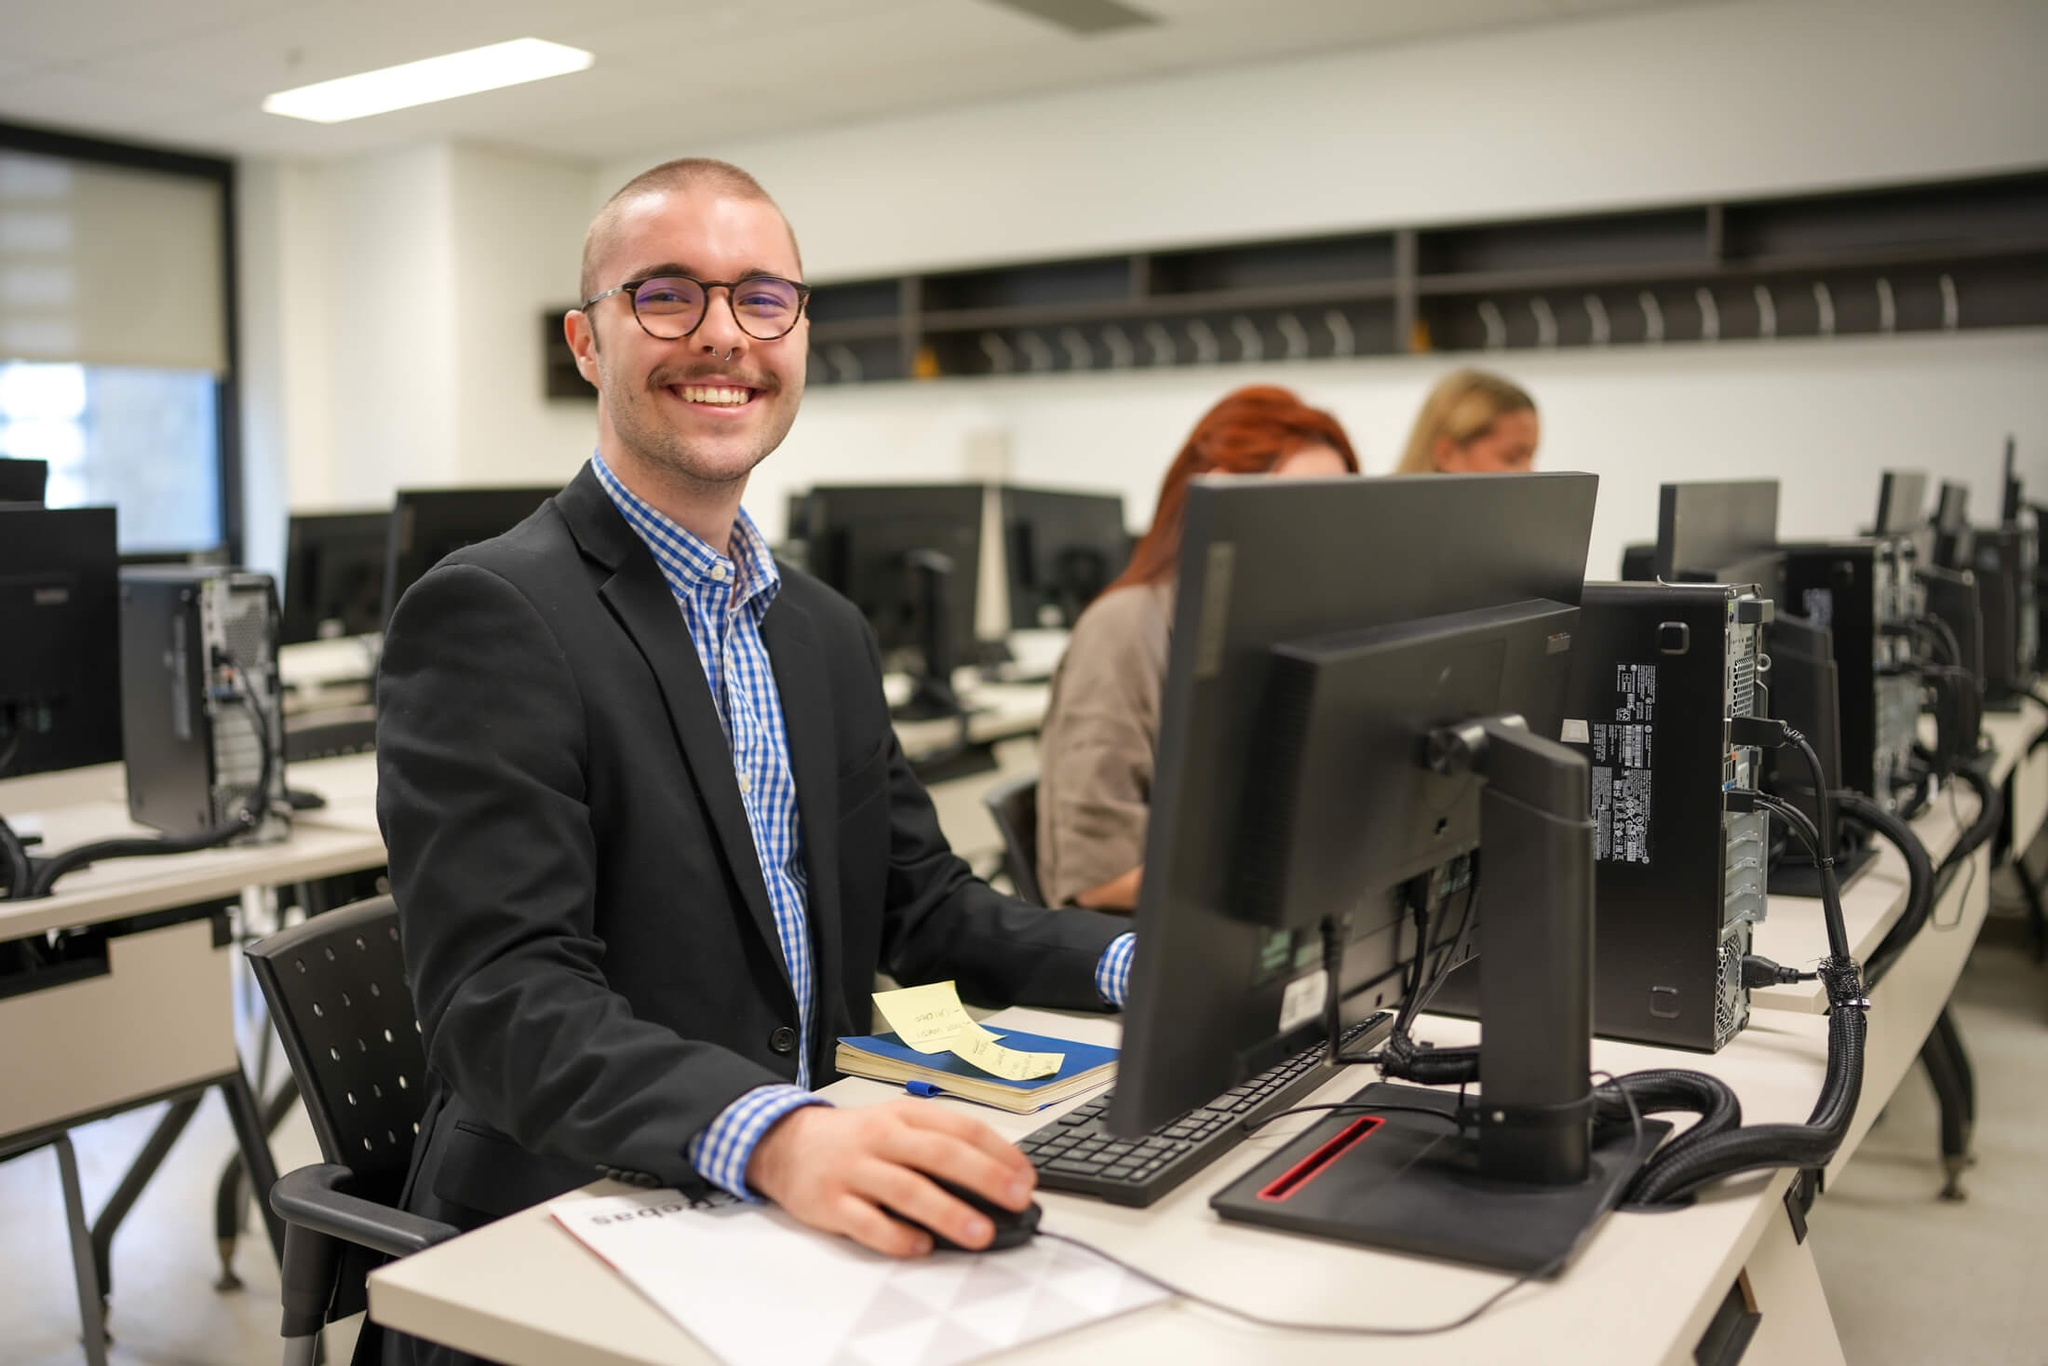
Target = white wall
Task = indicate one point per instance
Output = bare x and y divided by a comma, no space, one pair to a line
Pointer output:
403,287
1823,417
1641,108
391,307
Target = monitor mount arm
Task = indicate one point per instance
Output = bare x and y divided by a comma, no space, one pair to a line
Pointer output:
1535,1115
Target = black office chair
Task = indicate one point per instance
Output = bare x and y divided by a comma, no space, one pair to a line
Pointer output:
337,994
1014,805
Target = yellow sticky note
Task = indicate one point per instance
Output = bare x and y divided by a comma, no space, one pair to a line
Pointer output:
926,1018
985,1051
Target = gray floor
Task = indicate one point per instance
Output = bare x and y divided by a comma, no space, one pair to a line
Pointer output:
1912,1280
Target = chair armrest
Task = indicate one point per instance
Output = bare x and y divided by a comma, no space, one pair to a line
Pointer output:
311,1198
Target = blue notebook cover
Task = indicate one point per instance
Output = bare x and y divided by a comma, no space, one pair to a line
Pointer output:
1080,1057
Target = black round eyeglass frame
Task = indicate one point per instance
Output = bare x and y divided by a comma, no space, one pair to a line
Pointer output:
631,290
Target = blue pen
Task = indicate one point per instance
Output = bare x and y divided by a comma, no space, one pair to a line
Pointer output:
924,1089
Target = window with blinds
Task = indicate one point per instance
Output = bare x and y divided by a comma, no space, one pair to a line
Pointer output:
115,354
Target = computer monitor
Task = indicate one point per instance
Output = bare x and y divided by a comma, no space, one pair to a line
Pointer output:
1721,533
428,525
334,575
60,614
1062,549
1345,654
1901,502
23,481
1952,526
909,557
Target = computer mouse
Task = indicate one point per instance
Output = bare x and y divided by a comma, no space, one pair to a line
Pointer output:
1014,1227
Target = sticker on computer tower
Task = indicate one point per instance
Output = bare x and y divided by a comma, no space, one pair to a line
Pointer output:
1303,999
1623,750
1575,733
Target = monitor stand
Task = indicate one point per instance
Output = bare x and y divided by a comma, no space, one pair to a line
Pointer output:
1414,1183
1520,1181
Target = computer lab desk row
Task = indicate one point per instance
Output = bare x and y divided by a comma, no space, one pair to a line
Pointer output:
1644,1290
158,1015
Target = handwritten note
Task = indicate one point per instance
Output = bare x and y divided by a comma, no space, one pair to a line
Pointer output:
925,1018
931,1019
986,1051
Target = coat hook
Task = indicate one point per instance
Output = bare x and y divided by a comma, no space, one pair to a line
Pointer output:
1653,317
1825,299
1546,322
845,362
1119,347
1161,343
1207,352
1294,334
1887,307
1079,355
1037,354
1342,341
1250,345
1596,319
1766,313
1496,326
1001,359
1710,315
1951,307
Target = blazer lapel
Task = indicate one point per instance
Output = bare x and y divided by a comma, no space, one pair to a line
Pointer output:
795,656
641,600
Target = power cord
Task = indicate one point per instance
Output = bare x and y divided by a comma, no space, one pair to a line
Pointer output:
254,809
1331,1329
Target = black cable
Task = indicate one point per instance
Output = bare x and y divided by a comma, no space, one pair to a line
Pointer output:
1679,1169
254,809
1919,882
1333,1329
1990,815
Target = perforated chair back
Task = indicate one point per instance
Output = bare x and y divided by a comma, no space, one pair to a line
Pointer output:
1014,805
337,994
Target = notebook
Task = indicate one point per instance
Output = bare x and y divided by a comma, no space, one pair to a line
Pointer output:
884,1057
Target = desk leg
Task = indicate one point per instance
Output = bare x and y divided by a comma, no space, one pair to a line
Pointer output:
1795,1327
255,1144
1948,1068
227,1197
144,1167
90,1316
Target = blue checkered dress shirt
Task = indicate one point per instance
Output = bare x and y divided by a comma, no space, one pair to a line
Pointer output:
723,600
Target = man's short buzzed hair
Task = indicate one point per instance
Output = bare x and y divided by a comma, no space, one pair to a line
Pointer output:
684,173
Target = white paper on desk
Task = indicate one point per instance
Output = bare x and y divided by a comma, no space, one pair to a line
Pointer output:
759,1289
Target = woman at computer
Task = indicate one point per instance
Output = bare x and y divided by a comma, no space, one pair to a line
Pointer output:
1102,726
1472,423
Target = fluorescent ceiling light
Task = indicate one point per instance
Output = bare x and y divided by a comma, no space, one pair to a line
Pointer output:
424,82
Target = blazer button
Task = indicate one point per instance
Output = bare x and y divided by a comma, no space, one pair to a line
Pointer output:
783,1040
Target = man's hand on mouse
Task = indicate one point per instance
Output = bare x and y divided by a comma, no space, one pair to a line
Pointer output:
832,1169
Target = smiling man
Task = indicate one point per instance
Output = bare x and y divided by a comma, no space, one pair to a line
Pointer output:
650,831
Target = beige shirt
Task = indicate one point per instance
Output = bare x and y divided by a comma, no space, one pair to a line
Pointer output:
1097,746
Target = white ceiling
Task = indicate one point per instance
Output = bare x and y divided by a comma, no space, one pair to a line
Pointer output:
193,72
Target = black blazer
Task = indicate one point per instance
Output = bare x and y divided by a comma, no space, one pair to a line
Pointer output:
592,954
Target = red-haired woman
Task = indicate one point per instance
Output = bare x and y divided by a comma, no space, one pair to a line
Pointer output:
1102,728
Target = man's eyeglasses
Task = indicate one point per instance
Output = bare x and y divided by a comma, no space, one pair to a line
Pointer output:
671,307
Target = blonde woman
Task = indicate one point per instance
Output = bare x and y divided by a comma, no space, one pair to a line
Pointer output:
1472,423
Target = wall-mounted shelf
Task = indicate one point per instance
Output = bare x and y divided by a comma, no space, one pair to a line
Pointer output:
1949,256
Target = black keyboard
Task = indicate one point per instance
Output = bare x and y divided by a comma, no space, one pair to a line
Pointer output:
1077,1153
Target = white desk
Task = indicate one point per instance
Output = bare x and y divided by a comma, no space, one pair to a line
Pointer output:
524,1292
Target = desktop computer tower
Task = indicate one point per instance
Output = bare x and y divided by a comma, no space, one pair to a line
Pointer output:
2003,559
1679,880
1658,670
201,705
1864,593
